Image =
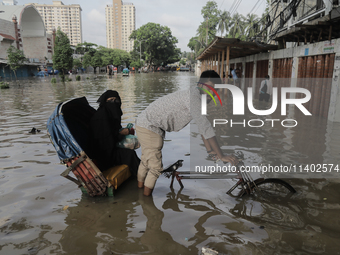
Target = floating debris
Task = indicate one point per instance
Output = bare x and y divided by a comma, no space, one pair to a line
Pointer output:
34,131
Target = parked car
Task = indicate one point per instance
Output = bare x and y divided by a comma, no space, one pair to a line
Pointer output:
42,74
51,71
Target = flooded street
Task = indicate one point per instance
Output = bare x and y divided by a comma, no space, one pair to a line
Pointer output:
44,213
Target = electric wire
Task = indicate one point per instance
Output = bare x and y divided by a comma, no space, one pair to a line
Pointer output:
232,6
254,6
236,7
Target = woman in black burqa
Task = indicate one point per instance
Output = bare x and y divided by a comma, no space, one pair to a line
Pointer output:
106,133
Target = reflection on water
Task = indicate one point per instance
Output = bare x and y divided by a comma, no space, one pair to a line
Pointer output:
43,213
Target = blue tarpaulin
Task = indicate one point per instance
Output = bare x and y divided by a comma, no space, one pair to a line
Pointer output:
61,137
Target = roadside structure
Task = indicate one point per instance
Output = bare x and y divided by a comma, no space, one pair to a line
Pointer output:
23,27
120,22
307,49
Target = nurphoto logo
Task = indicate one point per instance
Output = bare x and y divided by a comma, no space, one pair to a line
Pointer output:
238,105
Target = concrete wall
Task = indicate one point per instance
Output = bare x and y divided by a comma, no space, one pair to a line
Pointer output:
35,47
6,27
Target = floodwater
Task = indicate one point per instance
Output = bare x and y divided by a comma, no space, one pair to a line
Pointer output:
44,213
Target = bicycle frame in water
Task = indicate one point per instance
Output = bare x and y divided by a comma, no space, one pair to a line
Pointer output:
246,184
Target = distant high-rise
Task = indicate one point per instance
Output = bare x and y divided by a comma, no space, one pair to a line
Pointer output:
120,22
67,17
9,2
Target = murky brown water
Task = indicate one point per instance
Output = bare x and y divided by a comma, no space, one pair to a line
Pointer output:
43,213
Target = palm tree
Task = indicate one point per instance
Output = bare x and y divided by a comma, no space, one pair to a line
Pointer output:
237,26
252,25
224,22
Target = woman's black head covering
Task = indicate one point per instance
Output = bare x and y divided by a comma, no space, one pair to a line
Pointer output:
107,94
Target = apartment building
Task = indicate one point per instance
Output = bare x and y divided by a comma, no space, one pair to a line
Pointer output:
67,17
9,2
120,22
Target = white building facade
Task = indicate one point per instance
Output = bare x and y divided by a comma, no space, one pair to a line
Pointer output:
65,17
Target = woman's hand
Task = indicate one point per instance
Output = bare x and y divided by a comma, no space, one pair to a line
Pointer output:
124,131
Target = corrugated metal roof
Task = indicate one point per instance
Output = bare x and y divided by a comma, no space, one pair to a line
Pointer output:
238,48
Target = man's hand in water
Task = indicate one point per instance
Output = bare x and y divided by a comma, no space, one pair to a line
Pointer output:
231,159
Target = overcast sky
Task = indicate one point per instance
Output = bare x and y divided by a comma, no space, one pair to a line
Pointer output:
181,16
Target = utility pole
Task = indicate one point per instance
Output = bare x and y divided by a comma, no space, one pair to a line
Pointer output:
140,49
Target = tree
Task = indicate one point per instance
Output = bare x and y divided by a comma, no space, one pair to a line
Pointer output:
158,44
251,25
237,27
96,60
182,62
195,45
77,63
87,60
136,64
84,47
115,57
224,22
62,57
16,58
207,30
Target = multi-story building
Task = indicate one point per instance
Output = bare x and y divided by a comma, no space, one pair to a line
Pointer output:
120,22
23,28
9,2
67,17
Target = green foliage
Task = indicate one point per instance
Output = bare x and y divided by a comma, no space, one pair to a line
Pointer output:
222,23
62,57
87,60
175,57
16,58
96,60
114,57
207,29
157,43
78,78
54,80
99,56
182,62
77,63
4,85
87,78
237,27
85,47
136,64
191,57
